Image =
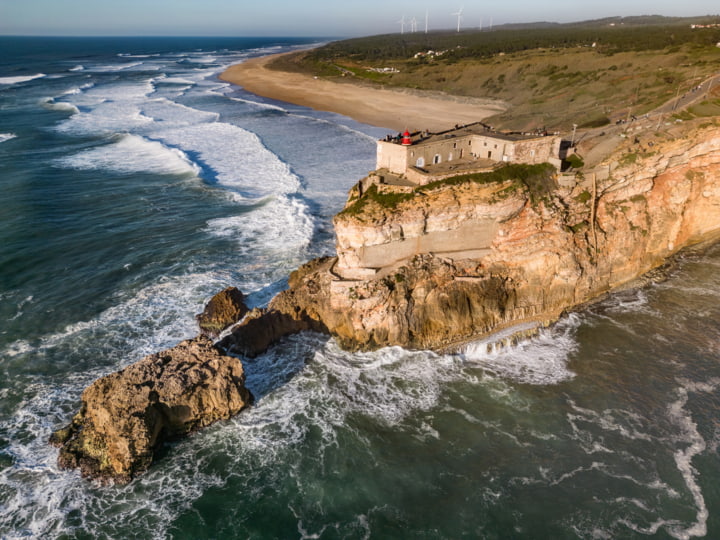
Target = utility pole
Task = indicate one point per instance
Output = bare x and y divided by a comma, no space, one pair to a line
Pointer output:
677,95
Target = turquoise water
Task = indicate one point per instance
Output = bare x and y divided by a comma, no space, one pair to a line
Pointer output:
136,184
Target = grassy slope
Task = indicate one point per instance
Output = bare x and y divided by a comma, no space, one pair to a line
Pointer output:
552,76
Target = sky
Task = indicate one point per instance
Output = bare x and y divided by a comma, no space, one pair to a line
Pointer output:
321,18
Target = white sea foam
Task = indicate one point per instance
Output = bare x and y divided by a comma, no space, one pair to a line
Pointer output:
169,114
257,104
174,80
695,444
79,67
203,59
133,153
237,157
51,104
109,108
114,67
6,137
21,78
542,359
295,397
625,423
272,238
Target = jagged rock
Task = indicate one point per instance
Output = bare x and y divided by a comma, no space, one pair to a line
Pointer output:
126,416
223,310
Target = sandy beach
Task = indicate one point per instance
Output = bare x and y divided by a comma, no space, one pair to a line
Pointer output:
396,110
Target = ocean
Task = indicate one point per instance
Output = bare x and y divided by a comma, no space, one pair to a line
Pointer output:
135,184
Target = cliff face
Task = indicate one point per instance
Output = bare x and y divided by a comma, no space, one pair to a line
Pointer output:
453,263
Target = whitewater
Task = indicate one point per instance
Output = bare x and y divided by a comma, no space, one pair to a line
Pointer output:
136,184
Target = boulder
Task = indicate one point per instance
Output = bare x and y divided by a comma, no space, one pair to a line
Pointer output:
126,416
223,310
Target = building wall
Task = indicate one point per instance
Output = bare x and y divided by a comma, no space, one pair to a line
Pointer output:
490,148
450,149
398,159
392,156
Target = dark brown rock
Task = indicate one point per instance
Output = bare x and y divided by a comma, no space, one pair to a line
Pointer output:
223,310
126,416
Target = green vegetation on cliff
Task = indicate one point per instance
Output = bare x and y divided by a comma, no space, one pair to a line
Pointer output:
538,181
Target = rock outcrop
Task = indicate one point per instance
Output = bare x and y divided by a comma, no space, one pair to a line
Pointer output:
126,416
532,254
223,310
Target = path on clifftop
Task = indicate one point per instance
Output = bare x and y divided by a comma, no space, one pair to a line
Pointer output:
599,143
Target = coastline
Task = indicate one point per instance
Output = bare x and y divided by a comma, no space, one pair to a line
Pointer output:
396,110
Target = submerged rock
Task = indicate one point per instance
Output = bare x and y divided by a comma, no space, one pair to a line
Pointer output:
126,416
223,310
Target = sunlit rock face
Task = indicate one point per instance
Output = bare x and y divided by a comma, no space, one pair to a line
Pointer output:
126,416
458,262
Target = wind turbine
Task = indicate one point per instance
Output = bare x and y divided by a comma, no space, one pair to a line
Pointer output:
413,25
459,16
426,20
402,24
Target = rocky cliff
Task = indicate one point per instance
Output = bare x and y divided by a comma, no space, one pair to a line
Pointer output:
433,267
454,261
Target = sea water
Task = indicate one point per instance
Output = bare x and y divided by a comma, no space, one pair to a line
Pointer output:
135,184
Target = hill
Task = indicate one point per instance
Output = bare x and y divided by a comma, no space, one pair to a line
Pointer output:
553,75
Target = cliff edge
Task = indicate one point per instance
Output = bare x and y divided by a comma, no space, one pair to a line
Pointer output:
442,264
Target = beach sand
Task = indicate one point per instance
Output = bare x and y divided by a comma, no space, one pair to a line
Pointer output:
396,110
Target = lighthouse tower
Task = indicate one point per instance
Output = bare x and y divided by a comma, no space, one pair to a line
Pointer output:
406,140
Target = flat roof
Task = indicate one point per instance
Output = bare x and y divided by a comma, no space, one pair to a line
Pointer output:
477,128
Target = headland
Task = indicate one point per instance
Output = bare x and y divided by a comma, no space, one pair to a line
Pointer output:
459,232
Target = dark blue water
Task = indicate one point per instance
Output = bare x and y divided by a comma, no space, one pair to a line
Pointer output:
135,184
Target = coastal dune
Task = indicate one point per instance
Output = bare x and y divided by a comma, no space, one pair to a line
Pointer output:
390,108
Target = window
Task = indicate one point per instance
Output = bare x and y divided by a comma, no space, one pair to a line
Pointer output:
450,156
420,162
489,154
436,159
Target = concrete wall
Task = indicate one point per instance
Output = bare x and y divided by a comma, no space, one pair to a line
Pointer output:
470,239
471,235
